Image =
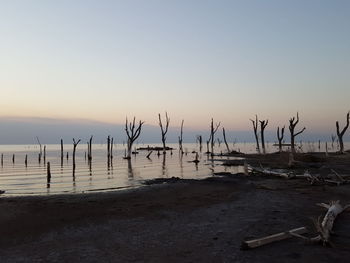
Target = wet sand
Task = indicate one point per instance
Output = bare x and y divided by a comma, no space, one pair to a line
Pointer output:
179,221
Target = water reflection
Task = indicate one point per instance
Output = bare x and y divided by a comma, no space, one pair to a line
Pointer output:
130,170
164,167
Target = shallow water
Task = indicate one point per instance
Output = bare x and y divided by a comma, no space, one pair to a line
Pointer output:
18,179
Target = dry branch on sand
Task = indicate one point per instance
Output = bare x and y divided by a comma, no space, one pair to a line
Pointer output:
324,229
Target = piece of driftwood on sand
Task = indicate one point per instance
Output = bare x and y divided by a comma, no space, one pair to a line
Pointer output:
248,244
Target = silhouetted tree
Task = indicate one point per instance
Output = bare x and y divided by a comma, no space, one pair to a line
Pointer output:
225,141
75,144
199,140
213,130
292,123
280,137
180,138
163,129
263,125
255,127
133,133
340,134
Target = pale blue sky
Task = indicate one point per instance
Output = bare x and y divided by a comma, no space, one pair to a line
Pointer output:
103,60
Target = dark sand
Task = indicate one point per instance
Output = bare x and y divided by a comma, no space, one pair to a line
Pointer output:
182,221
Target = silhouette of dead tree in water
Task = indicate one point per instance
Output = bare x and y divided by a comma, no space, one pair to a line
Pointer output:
199,140
340,134
280,137
213,130
41,152
263,125
132,134
180,138
163,129
292,123
75,144
225,141
255,127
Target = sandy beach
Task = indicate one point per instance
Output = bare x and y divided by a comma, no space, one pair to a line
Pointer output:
179,221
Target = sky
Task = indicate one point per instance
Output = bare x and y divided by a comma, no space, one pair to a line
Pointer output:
228,60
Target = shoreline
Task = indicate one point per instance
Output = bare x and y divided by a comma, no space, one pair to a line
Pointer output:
178,221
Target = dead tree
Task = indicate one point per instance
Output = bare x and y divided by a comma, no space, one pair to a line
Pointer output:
280,137
199,140
41,152
225,141
340,134
111,150
61,152
292,123
90,149
163,129
44,154
180,138
263,125
213,130
75,144
255,127
108,148
132,134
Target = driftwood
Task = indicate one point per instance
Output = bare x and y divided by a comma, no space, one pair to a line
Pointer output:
272,238
265,171
324,227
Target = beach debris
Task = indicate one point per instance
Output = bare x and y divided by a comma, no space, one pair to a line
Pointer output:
2,192
324,227
249,244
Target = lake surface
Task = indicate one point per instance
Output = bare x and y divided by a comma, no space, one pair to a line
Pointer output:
18,179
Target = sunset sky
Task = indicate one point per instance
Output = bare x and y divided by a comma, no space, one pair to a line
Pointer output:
103,60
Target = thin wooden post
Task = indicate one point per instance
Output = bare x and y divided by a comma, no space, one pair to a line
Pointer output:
61,152
44,154
48,174
2,159
26,160
13,158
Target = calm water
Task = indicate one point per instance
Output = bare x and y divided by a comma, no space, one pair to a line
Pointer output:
17,179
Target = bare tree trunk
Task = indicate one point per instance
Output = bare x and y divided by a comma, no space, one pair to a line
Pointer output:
224,135
292,123
75,144
108,149
164,130
44,154
132,134
199,139
280,137
61,152
180,138
340,134
255,127
26,160
48,175
263,125
213,130
41,152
